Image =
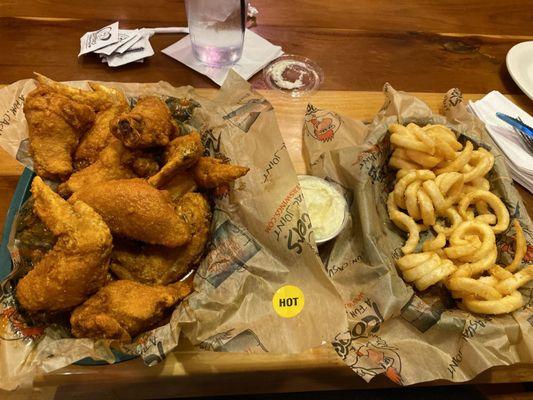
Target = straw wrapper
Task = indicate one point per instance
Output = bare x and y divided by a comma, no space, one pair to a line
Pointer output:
411,337
258,245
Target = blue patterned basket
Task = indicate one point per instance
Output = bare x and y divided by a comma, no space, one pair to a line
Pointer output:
22,193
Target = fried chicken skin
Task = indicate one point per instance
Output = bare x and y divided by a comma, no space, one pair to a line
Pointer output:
211,172
99,99
160,265
145,163
123,309
147,125
181,183
181,153
77,265
99,136
55,124
134,209
107,102
109,166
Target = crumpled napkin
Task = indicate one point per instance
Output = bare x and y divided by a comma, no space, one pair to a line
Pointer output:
519,159
257,52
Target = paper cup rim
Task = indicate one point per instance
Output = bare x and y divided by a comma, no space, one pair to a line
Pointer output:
346,212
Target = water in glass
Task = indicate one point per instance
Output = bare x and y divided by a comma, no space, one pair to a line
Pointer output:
217,30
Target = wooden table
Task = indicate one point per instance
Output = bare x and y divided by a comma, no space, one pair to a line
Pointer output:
427,47
360,45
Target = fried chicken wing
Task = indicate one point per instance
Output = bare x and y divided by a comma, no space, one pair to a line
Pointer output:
145,163
147,125
123,309
181,183
98,137
55,124
211,172
181,153
109,166
134,209
152,264
98,100
107,102
77,265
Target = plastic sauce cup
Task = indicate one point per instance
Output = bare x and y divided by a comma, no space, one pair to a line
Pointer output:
327,207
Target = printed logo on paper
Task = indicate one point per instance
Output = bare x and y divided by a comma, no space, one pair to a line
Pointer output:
289,225
10,114
104,33
422,315
321,124
181,110
273,163
471,329
12,324
230,249
150,347
506,240
452,99
366,353
374,162
244,116
245,341
211,142
288,301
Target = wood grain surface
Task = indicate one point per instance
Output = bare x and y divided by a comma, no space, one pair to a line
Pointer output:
472,17
360,45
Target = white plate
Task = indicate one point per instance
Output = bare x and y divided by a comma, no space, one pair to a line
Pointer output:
520,65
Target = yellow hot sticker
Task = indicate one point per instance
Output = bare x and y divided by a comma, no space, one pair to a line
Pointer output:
288,301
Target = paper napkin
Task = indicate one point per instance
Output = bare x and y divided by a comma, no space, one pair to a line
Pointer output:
257,52
96,40
118,47
518,157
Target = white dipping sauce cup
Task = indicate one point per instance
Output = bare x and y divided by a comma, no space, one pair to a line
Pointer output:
335,209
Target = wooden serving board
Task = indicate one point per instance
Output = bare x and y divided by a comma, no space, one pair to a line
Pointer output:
188,372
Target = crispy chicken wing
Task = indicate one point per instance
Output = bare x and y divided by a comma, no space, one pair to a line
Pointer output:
147,125
98,100
181,153
211,172
144,163
55,124
77,265
107,102
97,138
108,166
135,209
123,309
182,182
160,265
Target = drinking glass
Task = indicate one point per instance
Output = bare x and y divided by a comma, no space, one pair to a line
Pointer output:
216,29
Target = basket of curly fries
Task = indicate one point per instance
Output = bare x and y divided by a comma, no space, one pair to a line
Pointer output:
440,178
435,268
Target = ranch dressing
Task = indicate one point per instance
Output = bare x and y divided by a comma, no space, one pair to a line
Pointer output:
293,75
279,68
325,205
